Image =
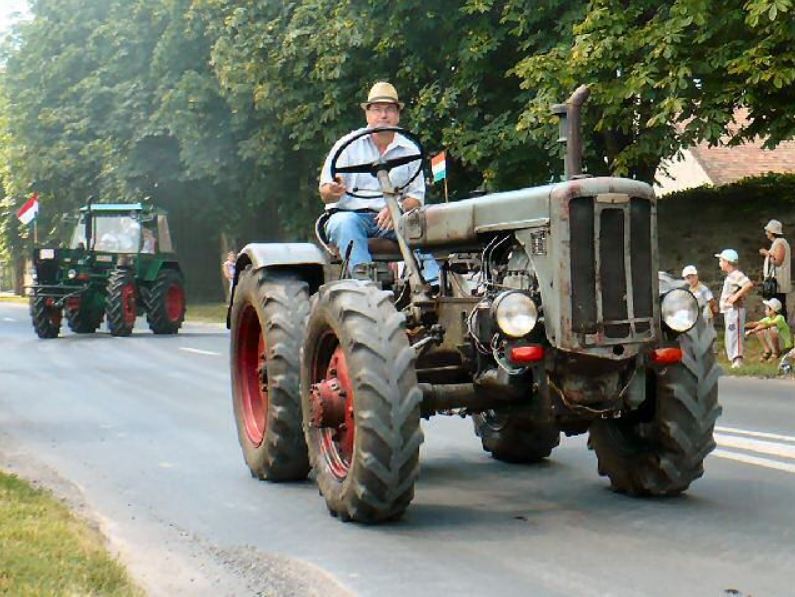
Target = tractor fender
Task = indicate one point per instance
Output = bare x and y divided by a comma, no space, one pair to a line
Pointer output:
304,259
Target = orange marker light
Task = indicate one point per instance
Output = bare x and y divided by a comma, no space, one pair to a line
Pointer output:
666,356
527,354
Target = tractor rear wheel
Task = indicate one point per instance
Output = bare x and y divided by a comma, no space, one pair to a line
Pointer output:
361,402
46,318
516,436
663,453
268,317
121,305
165,303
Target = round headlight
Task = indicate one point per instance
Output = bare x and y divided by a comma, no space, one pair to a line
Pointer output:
71,274
679,310
516,314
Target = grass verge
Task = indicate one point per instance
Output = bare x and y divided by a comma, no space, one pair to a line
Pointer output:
46,550
207,312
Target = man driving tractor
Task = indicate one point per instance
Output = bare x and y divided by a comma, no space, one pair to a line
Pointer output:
355,201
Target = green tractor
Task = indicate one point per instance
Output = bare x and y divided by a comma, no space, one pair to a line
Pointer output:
119,263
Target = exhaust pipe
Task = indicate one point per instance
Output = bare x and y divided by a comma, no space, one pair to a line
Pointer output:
570,130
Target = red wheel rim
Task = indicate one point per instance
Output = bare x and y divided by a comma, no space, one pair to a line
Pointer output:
55,317
175,302
128,304
336,443
252,375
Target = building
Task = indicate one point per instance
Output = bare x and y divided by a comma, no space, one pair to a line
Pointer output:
720,165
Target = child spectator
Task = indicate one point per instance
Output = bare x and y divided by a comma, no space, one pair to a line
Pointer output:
704,296
736,286
772,331
228,272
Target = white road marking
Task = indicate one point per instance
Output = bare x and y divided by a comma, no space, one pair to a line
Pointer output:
199,351
755,445
756,460
9,319
762,434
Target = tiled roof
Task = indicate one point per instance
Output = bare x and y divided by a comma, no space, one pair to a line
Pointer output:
725,164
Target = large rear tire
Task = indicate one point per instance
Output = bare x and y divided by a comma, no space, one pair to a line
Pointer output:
165,303
361,402
121,305
516,437
664,453
268,317
46,318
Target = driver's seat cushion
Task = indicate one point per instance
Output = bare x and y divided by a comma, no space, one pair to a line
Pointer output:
381,249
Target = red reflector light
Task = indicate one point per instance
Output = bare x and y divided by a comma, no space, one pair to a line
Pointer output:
666,356
83,277
527,354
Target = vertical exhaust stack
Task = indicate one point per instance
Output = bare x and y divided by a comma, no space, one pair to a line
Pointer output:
570,128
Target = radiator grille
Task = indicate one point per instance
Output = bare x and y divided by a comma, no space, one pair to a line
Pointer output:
611,291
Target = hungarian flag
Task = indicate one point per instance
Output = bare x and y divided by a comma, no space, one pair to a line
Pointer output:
28,212
438,167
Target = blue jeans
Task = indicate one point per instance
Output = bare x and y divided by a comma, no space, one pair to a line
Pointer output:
346,226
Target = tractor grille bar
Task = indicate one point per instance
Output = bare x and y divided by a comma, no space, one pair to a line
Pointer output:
611,268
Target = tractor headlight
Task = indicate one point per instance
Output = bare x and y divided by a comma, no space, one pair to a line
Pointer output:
71,274
515,313
679,310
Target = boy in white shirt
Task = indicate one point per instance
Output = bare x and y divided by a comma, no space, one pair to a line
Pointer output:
736,286
704,296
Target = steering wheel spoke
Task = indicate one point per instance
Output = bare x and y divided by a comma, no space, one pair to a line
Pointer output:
356,169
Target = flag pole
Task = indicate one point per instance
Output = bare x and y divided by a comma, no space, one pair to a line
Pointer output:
445,188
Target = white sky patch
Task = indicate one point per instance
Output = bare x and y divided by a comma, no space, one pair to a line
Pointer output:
11,11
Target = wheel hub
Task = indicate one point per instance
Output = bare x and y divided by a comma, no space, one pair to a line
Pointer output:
328,403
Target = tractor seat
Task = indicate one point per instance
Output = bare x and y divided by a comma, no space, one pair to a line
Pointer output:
381,249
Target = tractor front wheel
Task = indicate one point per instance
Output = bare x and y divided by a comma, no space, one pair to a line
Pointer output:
663,452
361,402
121,305
267,320
82,320
46,317
165,303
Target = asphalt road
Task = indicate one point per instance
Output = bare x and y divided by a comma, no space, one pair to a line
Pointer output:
140,432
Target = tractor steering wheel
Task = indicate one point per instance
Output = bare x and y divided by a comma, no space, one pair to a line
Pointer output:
373,168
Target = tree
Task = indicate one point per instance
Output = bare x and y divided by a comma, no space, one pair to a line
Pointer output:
669,75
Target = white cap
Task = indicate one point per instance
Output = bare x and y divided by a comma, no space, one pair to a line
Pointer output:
774,227
729,255
690,270
774,304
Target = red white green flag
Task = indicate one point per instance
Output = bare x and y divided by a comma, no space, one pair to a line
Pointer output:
439,167
27,213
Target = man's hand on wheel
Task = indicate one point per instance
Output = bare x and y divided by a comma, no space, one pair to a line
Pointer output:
333,191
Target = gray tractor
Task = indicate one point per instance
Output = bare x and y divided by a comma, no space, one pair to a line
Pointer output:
550,318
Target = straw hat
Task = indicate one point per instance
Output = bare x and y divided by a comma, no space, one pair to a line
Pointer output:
383,93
